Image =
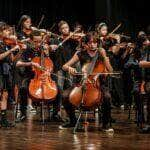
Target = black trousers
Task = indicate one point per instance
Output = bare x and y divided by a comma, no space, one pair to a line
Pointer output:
23,94
117,91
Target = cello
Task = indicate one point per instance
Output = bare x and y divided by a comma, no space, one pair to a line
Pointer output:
42,87
89,92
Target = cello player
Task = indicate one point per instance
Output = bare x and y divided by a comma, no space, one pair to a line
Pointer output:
83,57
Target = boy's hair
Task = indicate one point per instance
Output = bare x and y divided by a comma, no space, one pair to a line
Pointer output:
35,33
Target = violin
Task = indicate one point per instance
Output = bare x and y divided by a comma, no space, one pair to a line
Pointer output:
14,42
126,45
75,36
28,31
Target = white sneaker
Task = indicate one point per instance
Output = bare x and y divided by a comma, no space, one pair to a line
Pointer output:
31,109
122,107
110,131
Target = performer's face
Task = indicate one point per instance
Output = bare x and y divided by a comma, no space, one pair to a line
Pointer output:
93,44
27,23
64,29
6,32
103,31
37,40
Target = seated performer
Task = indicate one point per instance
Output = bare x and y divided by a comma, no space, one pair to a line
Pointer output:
88,52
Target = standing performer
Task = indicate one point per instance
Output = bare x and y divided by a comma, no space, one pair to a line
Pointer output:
60,56
108,42
140,63
6,53
85,56
145,63
24,33
24,65
132,65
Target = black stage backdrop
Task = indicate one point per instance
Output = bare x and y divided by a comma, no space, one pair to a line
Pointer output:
133,14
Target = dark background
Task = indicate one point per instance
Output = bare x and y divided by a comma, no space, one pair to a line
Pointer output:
133,14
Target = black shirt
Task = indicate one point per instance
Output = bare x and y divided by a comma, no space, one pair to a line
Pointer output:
5,64
84,57
64,53
27,56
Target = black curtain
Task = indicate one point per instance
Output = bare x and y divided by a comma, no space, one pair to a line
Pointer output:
54,11
133,14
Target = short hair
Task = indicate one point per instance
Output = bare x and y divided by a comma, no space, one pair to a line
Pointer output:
35,33
62,22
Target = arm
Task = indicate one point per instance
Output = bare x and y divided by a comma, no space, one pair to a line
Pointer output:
7,53
71,62
23,64
144,64
106,60
115,49
27,64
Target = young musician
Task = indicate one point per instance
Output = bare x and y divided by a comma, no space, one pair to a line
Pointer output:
24,27
60,56
24,33
113,52
140,63
145,64
85,56
5,71
24,65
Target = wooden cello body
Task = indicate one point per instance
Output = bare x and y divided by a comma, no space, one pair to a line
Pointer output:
42,87
89,93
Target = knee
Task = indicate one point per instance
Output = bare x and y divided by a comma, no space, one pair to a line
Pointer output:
107,96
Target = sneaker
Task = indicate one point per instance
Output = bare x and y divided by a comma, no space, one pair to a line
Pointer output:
145,130
67,125
122,107
31,109
21,118
110,131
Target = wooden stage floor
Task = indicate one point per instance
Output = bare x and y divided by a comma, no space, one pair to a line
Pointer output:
31,135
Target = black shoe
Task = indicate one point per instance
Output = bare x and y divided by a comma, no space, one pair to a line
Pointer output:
21,118
113,120
67,125
5,123
146,130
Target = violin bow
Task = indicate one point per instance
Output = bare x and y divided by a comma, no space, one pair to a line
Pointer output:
112,74
116,28
41,20
52,27
67,38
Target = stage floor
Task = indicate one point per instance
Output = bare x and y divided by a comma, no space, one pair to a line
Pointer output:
31,135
